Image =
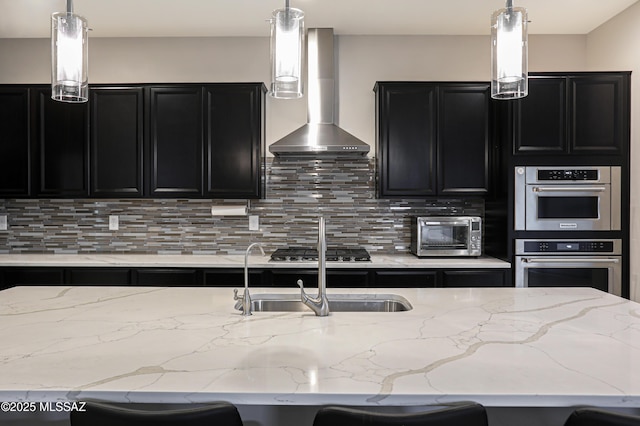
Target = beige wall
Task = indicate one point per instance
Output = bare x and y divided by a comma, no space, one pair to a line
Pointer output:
616,46
362,60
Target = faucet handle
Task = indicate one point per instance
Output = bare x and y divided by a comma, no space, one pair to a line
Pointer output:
238,304
303,294
243,302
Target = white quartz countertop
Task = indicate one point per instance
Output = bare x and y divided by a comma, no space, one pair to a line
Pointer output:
237,261
508,347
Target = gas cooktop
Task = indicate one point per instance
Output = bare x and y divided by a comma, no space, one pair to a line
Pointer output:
299,254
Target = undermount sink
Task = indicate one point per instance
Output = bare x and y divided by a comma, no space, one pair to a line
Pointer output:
268,302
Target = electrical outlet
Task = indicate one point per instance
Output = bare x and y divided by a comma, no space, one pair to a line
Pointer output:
254,223
114,223
3,222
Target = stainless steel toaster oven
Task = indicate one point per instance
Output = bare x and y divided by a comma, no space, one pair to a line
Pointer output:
446,236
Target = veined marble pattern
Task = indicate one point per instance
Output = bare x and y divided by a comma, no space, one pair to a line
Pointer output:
536,347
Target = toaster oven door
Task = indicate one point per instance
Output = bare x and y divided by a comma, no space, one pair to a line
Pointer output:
444,238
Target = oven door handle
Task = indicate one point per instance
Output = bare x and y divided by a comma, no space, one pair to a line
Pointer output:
565,260
458,222
565,188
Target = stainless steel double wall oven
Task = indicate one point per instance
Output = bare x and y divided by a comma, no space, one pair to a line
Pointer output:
563,202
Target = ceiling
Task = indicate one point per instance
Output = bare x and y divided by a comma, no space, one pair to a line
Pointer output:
203,18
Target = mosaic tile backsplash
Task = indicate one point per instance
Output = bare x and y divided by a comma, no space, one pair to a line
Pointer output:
298,191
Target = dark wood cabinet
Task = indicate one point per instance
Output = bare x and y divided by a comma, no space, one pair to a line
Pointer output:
406,119
206,141
234,277
60,146
464,139
175,142
540,118
433,139
15,160
116,141
34,276
258,277
234,140
573,114
599,113
171,277
98,276
407,278
475,278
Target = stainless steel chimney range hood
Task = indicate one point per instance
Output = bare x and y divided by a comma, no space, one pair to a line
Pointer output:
320,137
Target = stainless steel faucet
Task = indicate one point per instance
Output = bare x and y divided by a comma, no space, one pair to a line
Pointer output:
244,301
320,304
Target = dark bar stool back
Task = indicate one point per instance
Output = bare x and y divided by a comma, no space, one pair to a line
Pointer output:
457,415
103,414
598,417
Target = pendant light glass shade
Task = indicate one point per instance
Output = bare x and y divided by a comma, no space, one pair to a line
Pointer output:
69,57
509,51
287,41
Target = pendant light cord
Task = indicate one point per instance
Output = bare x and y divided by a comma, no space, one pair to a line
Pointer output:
70,7
509,4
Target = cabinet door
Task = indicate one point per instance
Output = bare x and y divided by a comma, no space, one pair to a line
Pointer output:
463,138
541,118
116,141
98,276
289,277
174,277
61,144
600,118
474,278
406,139
234,140
175,140
234,278
34,276
340,278
409,278
15,167
336,278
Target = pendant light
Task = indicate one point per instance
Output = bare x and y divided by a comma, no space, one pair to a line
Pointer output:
287,41
69,56
509,52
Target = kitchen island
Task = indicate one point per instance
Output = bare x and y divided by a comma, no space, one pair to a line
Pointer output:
501,347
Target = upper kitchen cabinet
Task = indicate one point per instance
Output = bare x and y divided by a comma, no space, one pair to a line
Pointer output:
175,141
60,146
580,114
234,146
406,119
116,141
464,141
432,139
15,165
541,117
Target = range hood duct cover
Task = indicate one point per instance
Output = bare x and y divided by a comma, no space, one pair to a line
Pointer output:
320,137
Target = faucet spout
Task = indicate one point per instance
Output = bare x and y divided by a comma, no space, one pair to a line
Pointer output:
320,304
244,301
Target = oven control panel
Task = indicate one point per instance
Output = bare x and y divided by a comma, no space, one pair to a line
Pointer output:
566,174
580,247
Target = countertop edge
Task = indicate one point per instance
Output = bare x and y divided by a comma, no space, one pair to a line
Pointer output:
237,261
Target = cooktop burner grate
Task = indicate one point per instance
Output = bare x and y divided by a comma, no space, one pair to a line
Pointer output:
302,254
